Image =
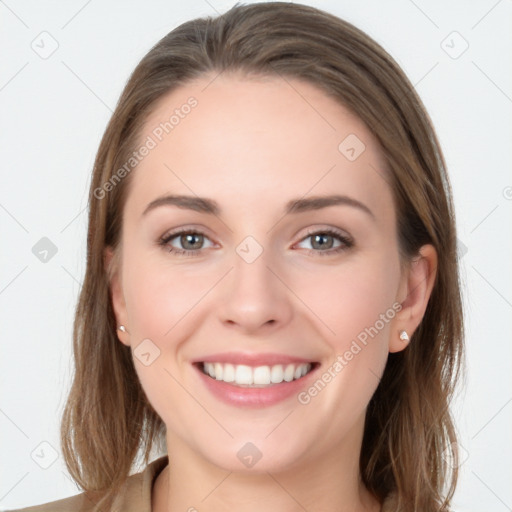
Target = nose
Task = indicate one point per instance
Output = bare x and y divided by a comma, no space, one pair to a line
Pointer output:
255,296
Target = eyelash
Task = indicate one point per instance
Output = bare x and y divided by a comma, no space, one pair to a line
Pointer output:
346,241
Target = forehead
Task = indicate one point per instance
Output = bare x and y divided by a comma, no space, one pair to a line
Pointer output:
243,140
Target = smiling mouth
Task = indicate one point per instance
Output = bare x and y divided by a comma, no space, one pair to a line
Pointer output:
256,376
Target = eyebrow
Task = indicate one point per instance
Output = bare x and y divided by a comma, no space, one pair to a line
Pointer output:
209,206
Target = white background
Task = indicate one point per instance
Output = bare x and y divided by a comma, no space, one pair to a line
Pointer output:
54,112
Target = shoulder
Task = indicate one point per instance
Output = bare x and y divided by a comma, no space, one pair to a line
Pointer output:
78,503
136,494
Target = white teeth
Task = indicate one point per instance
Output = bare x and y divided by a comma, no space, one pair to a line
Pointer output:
243,374
260,376
219,371
229,373
288,373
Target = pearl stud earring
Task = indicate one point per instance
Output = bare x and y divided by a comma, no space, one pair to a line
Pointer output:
404,336
122,328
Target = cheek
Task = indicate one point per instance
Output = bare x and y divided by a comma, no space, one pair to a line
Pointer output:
352,299
161,306
357,305
159,296
358,309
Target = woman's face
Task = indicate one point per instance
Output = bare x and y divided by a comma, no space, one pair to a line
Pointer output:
311,282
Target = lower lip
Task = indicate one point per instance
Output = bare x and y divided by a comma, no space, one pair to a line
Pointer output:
255,397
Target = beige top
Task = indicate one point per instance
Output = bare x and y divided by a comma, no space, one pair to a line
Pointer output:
135,497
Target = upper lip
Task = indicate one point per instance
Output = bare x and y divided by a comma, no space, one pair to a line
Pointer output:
262,359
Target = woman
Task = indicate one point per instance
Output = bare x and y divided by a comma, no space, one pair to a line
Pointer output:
272,285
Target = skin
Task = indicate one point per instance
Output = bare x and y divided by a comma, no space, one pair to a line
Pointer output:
252,145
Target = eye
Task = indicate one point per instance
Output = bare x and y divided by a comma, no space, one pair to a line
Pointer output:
324,240
190,241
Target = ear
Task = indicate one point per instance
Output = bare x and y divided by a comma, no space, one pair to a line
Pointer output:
111,265
414,293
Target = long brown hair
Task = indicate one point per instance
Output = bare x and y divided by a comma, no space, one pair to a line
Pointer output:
409,447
